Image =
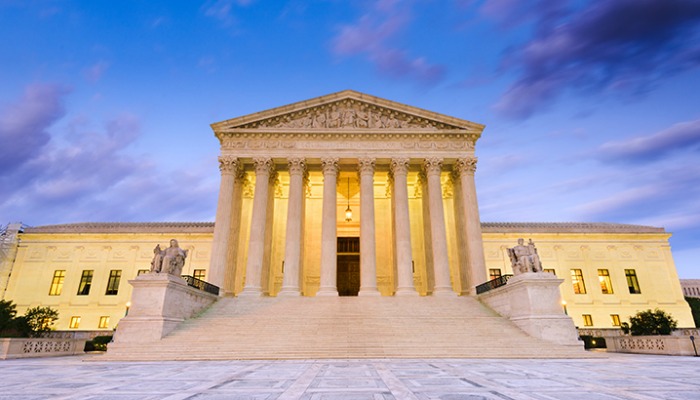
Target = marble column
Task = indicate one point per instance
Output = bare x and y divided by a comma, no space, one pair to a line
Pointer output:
264,168
329,234
438,235
465,168
234,234
404,255
368,245
295,215
222,226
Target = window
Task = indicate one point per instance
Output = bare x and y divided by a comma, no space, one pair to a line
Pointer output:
142,271
104,322
615,319
199,274
632,282
577,281
550,270
85,283
74,322
115,276
605,282
494,273
587,320
57,282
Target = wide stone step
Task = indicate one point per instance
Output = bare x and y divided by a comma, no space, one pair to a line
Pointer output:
358,327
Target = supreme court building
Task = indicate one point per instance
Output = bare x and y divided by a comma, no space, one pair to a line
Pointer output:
342,195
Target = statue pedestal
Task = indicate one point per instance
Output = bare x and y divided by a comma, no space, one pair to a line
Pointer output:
532,302
159,302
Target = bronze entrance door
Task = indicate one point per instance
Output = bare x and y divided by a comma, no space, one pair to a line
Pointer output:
348,275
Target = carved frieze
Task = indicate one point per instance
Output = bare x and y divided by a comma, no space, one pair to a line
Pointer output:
348,114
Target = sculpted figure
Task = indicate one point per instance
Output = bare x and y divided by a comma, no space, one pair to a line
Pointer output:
362,119
170,260
334,118
319,121
524,258
349,118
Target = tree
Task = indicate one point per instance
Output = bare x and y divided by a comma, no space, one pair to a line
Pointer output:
41,319
8,311
656,322
695,309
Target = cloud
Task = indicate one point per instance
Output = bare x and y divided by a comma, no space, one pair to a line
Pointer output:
24,124
94,72
684,136
621,46
222,10
83,173
370,35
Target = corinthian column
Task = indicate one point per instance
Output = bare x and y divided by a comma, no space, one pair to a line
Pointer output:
295,215
438,236
229,167
264,168
368,249
476,266
329,235
404,256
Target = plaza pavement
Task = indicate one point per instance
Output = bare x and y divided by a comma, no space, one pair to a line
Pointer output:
618,376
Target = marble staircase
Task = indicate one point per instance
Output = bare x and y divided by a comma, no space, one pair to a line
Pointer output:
345,327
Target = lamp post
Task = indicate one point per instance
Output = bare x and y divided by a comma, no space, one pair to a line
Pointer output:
348,211
128,305
563,303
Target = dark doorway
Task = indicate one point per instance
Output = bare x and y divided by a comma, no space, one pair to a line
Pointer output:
348,275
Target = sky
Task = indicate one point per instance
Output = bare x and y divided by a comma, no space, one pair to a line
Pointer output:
592,108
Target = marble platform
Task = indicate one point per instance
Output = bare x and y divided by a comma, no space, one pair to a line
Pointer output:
617,376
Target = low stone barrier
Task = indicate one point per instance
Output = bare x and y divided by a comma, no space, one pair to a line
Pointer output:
664,345
39,347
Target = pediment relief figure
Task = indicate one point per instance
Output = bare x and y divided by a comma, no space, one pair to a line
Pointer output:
348,114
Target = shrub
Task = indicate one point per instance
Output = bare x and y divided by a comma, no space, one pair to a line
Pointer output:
8,311
694,304
656,322
592,342
41,319
98,343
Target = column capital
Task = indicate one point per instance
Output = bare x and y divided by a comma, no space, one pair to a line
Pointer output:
365,166
297,166
329,165
263,165
432,166
399,165
229,165
465,165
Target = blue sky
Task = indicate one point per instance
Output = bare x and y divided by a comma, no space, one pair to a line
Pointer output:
592,108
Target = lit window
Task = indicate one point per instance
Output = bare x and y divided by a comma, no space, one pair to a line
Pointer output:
199,274
74,322
550,270
142,271
632,282
57,282
605,282
494,273
587,320
577,281
115,276
85,283
615,319
104,322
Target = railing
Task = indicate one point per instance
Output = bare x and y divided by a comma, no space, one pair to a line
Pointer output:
201,285
492,284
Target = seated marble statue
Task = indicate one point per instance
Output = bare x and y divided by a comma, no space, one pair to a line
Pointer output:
170,260
524,258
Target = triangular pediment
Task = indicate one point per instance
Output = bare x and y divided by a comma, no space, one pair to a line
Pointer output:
347,110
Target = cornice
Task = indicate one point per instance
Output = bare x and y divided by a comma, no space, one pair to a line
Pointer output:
125,227
566,227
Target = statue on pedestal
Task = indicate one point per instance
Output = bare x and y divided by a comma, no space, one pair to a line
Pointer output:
170,260
524,258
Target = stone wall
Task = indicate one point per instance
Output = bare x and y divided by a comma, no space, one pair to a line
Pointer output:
39,347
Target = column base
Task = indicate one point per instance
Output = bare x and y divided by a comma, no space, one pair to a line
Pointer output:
327,292
444,292
251,292
372,292
290,292
406,292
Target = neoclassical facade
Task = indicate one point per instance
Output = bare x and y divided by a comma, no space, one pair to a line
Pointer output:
303,164
342,195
